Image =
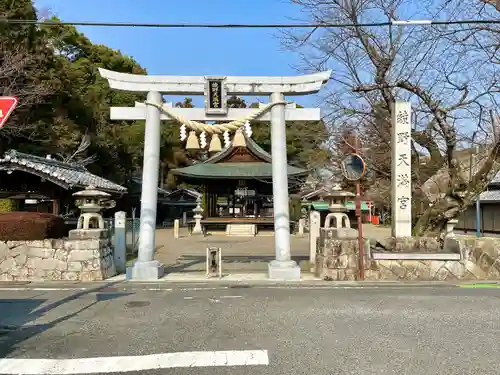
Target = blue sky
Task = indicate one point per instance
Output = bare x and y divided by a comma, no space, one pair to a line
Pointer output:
190,51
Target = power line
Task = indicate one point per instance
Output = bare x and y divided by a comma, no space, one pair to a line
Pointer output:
246,26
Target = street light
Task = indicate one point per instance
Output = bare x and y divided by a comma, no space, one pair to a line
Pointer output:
472,160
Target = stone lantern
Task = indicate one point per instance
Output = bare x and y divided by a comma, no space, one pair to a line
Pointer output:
91,203
337,199
197,217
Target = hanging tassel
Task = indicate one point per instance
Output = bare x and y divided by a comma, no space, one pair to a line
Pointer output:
239,139
192,141
215,145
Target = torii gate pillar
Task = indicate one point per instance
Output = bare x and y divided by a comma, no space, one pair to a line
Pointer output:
283,267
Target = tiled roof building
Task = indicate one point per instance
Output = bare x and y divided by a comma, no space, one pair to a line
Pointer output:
66,175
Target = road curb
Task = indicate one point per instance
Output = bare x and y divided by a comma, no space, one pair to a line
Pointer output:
102,287
117,284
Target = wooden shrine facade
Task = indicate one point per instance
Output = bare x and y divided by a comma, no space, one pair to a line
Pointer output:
237,184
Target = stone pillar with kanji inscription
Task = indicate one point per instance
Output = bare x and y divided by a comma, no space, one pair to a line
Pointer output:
401,169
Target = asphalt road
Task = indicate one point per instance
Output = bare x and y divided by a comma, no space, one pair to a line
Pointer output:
320,331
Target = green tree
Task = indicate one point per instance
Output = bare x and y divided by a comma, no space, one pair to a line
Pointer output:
305,141
29,70
116,145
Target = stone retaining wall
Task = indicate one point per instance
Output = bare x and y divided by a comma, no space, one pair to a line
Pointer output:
464,259
56,259
412,245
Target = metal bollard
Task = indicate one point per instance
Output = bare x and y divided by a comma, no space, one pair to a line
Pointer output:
214,262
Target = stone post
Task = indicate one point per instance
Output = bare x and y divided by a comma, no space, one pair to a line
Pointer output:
184,218
401,169
120,247
283,267
145,268
450,227
176,228
314,227
302,223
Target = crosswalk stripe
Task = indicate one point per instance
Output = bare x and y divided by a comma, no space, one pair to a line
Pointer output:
22,366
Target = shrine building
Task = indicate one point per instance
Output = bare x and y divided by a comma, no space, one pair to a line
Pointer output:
237,187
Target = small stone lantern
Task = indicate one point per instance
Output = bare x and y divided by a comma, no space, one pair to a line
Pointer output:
337,199
91,203
197,217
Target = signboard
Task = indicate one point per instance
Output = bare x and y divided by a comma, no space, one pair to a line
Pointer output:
244,192
353,167
7,105
215,96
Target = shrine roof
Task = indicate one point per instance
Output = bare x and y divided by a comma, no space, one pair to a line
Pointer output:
244,170
250,145
242,159
66,175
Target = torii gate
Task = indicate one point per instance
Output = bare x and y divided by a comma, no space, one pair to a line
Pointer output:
215,90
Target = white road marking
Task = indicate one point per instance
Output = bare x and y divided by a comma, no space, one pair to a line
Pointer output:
215,299
22,366
319,287
196,289
39,289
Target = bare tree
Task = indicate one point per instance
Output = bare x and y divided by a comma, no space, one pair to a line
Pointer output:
495,3
77,156
18,69
445,71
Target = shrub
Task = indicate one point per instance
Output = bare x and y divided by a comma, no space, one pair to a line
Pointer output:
30,226
7,205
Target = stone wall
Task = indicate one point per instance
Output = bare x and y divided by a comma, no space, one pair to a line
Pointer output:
411,245
56,259
464,259
337,260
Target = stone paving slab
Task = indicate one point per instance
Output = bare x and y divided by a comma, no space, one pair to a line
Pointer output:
241,254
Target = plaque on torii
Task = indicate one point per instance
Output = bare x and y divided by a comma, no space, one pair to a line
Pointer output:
215,96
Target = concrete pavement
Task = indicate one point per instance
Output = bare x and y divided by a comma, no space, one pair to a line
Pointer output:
316,330
240,254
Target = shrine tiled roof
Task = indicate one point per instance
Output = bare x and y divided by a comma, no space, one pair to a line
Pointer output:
250,144
67,175
219,167
490,196
234,171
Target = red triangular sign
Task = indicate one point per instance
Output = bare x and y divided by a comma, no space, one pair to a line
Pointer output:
7,105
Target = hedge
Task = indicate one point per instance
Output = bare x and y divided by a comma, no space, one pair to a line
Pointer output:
7,205
30,226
